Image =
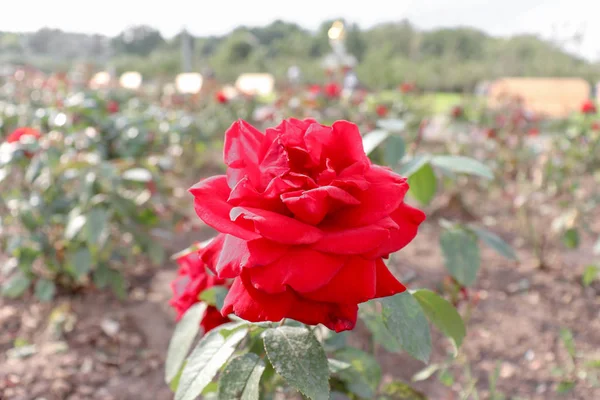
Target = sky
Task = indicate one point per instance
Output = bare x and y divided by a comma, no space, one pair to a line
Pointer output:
552,19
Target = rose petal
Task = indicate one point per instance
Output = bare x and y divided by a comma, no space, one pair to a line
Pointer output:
234,254
240,149
386,283
210,203
304,270
354,283
253,305
352,240
311,206
209,255
408,220
337,317
276,227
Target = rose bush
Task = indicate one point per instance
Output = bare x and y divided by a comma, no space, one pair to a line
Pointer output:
305,220
192,279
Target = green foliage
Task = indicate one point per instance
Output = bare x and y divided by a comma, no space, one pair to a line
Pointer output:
405,320
461,254
363,375
495,242
423,184
590,273
185,332
210,354
300,359
241,378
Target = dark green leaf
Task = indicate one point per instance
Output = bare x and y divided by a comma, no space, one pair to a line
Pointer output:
590,273
393,150
364,374
16,285
442,314
405,319
464,165
374,322
571,238
565,387
95,225
183,338
373,139
205,361
336,366
413,165
117,284
299,358
45,290
495,242
401,391
215,296
241,378
461,254
423,184
80,262
34,169
101,275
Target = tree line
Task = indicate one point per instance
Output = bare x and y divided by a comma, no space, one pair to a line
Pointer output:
449,59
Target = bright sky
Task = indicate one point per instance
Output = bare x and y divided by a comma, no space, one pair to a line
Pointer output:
549,18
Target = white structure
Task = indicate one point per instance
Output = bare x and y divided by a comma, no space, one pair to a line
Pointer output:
189,83
131,80
255,84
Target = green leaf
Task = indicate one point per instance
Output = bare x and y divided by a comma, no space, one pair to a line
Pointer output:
183,338
95,225
565,387
205,361
567,338
241,378
593,364
74,226
461,254
214,296
590,273
364,374
373,139
101,275
464,165
175,381
397,390
80,262
374,322
16,285
394,150
442,314
157,254
495,242
45,290
117,284
571,238
405,319
413,165
298,357
423,184
336,366
34,169
137,175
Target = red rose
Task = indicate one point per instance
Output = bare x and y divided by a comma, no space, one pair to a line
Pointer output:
221,97
381,110
333,90
18,133
314,89
305,222
457,112
596,126
112,107
490,133
192,280
534,132
407,87
588,107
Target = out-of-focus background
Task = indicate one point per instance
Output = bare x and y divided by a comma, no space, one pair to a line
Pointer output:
110,111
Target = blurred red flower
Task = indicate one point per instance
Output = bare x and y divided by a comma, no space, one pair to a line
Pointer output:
407,87
112,107
596,126
588,107
221,97
457,112
381,110
333,90
18,133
